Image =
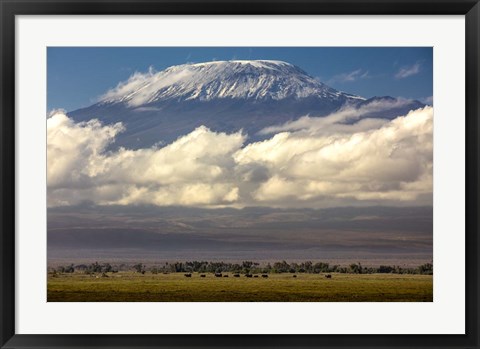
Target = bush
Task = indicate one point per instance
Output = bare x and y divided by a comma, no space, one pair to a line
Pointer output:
426,269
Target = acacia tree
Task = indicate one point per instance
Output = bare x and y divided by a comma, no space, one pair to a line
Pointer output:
321,267
139,268
356,268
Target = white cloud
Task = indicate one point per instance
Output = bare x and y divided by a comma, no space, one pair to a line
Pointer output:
56,111
389,162
352,76
140,88
315,163
342,119
75,152
196,169
427,100
407,71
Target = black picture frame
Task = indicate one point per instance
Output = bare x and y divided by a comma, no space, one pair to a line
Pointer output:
10,8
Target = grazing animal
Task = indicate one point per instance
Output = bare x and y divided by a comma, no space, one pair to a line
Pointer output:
264,276
218,275
203,275
225,276
294,276
236,275
328,276
188,275
248,275
255,276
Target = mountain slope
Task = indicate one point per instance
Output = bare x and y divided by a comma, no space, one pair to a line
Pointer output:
224,96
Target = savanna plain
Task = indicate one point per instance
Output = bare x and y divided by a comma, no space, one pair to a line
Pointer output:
177,287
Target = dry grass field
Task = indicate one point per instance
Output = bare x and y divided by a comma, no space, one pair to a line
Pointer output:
175,287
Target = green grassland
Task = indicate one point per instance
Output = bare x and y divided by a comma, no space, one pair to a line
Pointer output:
175,287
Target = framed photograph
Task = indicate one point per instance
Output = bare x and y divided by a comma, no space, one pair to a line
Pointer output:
235,174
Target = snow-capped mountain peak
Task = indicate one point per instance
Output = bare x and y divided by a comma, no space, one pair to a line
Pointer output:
225,96
248,79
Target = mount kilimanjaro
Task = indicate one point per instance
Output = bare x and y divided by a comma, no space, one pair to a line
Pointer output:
224,96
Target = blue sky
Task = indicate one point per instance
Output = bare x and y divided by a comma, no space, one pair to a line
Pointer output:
77,76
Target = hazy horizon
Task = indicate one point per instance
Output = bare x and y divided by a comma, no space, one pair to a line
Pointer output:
372,235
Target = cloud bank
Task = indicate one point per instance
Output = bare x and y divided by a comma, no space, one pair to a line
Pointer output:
341,119
313,162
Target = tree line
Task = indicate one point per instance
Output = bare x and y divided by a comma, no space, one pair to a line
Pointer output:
245,267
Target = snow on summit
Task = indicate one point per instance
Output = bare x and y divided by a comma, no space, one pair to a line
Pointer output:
225,96
248,79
